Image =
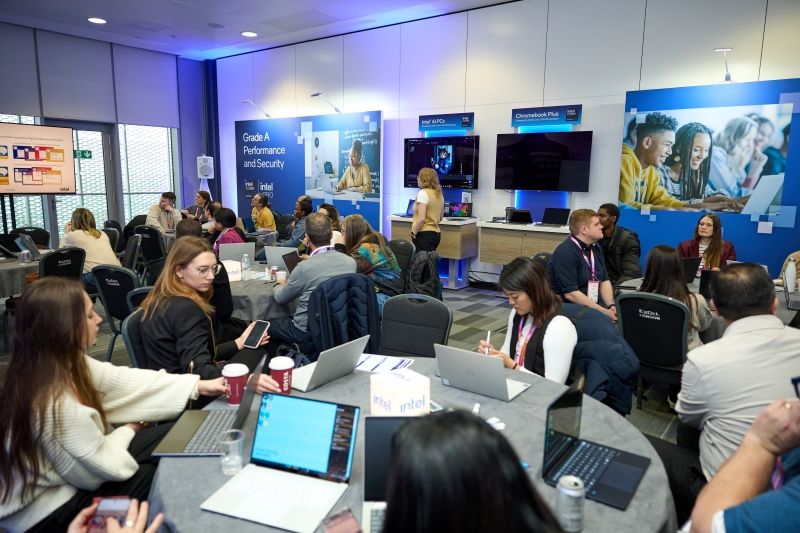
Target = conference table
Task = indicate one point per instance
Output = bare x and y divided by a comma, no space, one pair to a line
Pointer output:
181,484
254,298
12,276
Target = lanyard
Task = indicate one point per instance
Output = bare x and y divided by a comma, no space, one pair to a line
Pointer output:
591,255
320,250
522,342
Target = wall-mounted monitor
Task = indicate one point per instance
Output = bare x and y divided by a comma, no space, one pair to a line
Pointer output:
554,161
36,160
455,159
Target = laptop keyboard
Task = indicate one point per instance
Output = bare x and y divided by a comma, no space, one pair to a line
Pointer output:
206,438
376,517
290,489
587,462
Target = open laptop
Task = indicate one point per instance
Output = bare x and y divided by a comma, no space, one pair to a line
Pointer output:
235,251
378,432
291,260
705,282
409,210
332,364
520,216
274,255
25,242
763,195
554,217
478,373
690,267
198,432
307,448
610,476
328,187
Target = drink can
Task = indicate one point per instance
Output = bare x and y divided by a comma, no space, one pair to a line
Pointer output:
273,273
570,494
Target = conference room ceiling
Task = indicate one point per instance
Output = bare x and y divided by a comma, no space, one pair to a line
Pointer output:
210,29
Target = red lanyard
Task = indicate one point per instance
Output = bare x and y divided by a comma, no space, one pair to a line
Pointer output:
591,255
520,356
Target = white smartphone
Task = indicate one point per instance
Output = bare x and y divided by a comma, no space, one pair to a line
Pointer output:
252,340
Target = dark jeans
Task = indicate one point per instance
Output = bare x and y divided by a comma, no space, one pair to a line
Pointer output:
138,486
682,463
283,330
427,241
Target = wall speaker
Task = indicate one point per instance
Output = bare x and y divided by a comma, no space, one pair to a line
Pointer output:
205,167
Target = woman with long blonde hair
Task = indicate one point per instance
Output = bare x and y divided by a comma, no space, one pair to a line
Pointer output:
428,211
81,232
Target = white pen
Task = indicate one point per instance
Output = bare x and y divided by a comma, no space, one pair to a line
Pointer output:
488,336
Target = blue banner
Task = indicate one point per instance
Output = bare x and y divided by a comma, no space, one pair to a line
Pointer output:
452,121
286,158
562,114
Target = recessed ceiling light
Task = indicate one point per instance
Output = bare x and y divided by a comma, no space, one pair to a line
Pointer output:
249,34
96,20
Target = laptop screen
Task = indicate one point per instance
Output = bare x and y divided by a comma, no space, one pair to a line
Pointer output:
410,208
378,432
563,427
290,260
459,209
555,215
305,436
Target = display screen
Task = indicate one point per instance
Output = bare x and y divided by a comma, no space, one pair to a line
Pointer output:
455,160
554,161
36,160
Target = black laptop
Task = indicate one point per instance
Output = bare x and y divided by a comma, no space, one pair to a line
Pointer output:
690,266
520,216
290,260
554,217
611,476
409,210
378,432
705,282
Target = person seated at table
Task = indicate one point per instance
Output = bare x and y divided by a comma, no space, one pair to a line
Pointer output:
451,471
82,232
210,225
535,313
707,244
197,211
356,176
177,332
302,208
336,226
261,213
664,275
226,230
373,257
163,216
60,405
621,248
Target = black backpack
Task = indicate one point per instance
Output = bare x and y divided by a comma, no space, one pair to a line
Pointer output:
423,275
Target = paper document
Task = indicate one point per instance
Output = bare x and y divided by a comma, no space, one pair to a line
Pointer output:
381,363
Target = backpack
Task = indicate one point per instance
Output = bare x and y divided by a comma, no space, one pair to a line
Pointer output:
423,275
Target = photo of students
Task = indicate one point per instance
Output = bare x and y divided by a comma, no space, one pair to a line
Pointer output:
735,164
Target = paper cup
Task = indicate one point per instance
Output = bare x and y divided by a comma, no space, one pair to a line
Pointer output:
281,275
235,375
280,368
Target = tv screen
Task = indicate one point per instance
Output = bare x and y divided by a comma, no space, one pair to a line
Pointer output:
455,159
554,161
36,160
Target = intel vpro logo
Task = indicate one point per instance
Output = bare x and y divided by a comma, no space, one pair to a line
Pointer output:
571,114
466,121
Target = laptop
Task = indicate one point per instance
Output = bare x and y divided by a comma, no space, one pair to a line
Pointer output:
299,467
409,210
705,282
197,433
291,260
761,198
475,372
25,242
690,267
554,217
520,216
459,210
332,364
274,255
378,432
610,476
234,252
329,188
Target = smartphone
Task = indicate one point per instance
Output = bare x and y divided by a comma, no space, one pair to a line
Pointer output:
344,522
252,340
115,507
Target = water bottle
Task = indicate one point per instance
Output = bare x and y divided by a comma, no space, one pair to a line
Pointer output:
790,275
245,267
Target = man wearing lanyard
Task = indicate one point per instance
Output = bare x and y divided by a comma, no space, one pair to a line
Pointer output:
577,269
163,215
322,264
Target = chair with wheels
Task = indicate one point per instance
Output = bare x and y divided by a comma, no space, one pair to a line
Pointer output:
412,324
656,328
132,337
40,236
135,297
114,283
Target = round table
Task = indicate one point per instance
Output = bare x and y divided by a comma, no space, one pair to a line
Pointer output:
254,299
182,484
12,276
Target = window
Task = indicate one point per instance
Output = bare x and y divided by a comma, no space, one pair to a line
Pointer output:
28,210
148,169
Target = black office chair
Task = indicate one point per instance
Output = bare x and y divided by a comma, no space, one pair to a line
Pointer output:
656,328
543,258
283,224
403,251
412,324
113,224
152,248
8,245
128,230
131,256
65,262
113,238
40,236
135,298
132,337
114,283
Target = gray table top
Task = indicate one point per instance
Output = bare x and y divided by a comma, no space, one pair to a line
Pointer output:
12,276
253,299
182,484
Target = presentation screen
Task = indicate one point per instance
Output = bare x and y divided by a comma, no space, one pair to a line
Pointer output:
455,160
36,160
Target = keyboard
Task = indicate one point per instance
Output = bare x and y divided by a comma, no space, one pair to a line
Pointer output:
206,438
587,462
285,489
376,517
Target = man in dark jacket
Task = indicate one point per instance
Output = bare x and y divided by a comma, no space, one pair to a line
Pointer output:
621,248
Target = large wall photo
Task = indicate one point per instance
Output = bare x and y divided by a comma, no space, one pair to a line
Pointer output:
331,158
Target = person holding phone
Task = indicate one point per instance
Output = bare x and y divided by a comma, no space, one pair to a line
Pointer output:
73,427
133,519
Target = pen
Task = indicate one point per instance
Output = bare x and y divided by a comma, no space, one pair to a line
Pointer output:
488,336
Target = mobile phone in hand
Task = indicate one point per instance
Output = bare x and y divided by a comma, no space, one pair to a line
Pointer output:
254,338
114,507
344,522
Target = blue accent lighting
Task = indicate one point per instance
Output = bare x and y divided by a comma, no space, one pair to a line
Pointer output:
544,128
445,133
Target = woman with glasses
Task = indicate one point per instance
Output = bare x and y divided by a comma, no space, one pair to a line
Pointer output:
177,331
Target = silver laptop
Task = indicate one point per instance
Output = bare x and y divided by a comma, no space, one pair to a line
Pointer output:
197,433
299,467
332,364
234,252
275,255
763,195
328,187
378,432
475,372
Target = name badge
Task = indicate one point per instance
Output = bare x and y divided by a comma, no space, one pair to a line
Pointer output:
593,291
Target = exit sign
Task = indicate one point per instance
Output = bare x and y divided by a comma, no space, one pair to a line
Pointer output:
83,154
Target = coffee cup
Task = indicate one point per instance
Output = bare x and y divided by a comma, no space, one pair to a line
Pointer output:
281,276
280,368
235,375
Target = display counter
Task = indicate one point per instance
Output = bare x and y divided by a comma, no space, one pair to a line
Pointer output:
500,242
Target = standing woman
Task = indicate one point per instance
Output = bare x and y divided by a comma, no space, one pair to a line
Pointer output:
714,253
60,447
535,311
197,211
82,232
428,211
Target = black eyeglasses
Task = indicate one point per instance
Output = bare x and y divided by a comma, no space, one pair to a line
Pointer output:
796,383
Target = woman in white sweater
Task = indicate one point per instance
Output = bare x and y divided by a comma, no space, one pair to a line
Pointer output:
82,232
534,318
73,427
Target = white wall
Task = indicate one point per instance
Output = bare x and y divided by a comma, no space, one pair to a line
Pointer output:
524,54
